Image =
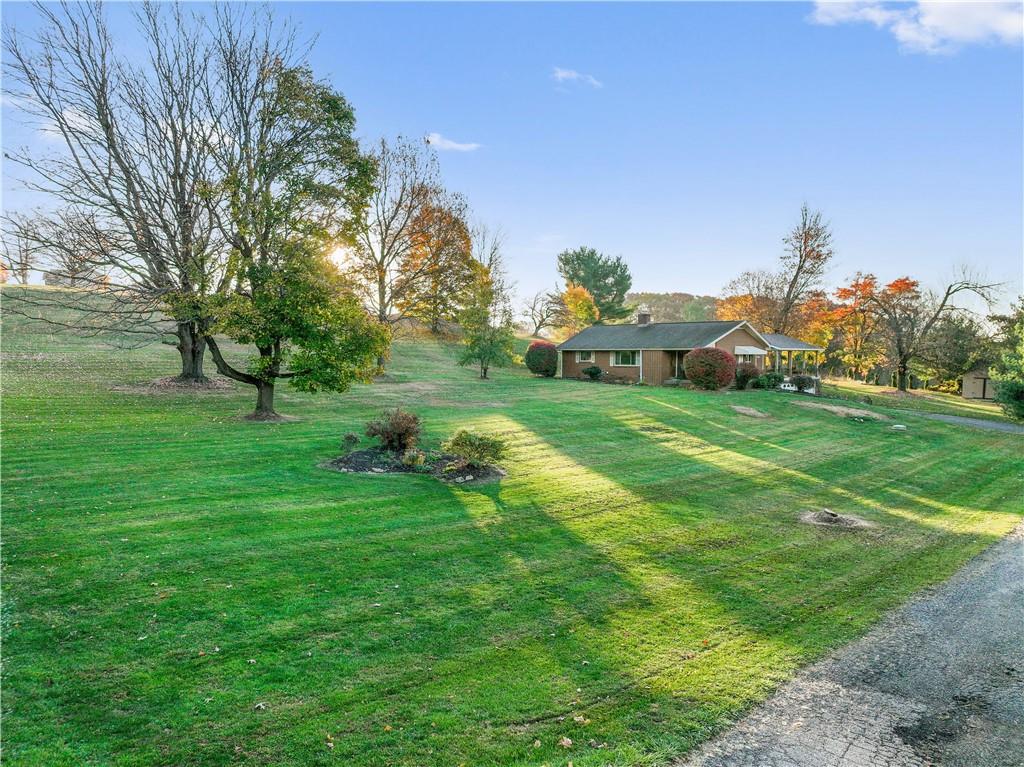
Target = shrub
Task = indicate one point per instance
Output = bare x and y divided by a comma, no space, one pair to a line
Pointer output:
772,380
1010,396
802,382
414,457
542,358
709,368
349,442
397,429
745,374
593,372
476,449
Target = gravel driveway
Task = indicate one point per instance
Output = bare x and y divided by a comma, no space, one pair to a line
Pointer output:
939,682
978,423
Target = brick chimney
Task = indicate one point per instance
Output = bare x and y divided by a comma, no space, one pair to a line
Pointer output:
643,315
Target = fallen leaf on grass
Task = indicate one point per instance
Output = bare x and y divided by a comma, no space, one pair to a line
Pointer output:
565,742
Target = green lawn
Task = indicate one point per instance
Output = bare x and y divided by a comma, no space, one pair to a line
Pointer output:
920,400
639,577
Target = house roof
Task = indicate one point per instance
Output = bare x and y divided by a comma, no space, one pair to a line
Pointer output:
654,335
785,343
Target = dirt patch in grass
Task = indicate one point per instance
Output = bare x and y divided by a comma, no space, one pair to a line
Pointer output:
749,411
848,412
829,518
175,385
442,466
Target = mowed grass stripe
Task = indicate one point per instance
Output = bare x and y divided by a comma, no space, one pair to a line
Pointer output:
655,582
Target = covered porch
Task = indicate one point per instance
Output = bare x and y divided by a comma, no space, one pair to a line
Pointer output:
795,361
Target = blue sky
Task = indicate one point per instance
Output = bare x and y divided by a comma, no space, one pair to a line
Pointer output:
691,133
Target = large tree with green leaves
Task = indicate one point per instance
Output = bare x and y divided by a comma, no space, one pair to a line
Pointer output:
607,279
293,179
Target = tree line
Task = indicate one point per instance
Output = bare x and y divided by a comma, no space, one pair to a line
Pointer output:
213,186
868,327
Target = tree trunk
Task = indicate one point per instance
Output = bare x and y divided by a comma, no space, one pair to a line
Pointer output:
192,348
264,401
902,376
483,371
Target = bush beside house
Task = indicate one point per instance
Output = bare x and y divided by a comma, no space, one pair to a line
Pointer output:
542,358
745,373
709,368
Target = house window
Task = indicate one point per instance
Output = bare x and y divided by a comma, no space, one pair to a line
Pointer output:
626,359
584,356
746,358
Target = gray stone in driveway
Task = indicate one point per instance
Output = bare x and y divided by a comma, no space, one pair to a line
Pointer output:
939,682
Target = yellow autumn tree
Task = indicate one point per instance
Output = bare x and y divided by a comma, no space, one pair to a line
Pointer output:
580,309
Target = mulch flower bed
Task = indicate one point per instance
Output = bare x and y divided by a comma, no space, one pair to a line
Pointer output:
442,466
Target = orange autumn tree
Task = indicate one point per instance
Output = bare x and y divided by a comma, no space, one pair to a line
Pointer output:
907,315
440,259
861,346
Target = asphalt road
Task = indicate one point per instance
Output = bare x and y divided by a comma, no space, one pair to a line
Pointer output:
939,682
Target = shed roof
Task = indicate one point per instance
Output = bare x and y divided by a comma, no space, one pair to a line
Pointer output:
785,343
654,335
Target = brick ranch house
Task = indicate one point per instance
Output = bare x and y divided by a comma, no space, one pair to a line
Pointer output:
653,352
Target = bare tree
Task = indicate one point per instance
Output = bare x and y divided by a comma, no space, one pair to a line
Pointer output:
133,171
909,315
19,254
808,252
774,300
382,263
755,296
543,310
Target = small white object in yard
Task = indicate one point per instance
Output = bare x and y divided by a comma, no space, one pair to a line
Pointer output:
898,427
788,387
377,471
460,480
260,706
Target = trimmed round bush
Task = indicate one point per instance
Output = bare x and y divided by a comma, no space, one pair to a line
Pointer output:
745,374
593,372
802,382
542,358
709,368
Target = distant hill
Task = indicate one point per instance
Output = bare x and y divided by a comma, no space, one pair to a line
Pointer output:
675,307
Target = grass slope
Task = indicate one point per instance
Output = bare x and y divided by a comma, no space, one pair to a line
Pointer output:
184,587
919,400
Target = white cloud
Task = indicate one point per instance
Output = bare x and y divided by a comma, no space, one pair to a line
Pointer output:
443,144
931,26
560,75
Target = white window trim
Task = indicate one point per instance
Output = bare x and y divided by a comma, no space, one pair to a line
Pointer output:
637,352
579,356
